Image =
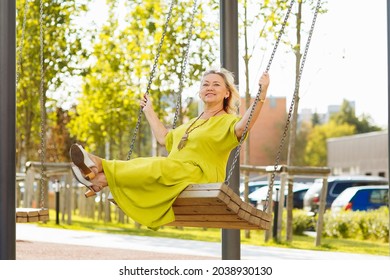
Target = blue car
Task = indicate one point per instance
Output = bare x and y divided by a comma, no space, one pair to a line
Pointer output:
362,198
336,185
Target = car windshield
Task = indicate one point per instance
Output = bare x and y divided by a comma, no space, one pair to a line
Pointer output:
345,196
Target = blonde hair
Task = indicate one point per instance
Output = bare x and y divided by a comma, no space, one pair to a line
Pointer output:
232,102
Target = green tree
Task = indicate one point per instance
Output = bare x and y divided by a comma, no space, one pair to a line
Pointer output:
61,50
266,21
301,143
315,119
347,115
297,50
102,112
316,149
108,107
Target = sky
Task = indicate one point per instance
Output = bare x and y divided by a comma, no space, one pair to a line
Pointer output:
347,59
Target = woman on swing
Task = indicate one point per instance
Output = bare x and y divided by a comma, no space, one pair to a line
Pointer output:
146,188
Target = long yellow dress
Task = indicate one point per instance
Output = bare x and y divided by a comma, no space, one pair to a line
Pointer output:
145,188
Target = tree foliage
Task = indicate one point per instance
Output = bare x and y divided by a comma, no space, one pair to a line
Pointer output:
108,106
347,115
61,50
316,148
312,137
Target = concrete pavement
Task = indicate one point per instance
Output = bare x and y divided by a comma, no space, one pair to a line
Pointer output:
200,249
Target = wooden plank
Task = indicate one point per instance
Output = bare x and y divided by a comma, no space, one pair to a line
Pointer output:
197,187
229,191
232,205
256,220
201,198
21,220
234,197
225,225
201,209
263,215
246,206
21,214
200,194
33,219
209,218
211,201
43,212
244,215
265,225
27,212
43,218
31,215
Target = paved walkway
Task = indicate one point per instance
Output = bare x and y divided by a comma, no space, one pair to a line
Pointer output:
34,242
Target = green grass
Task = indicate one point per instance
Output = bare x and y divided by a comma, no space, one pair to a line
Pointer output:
214,235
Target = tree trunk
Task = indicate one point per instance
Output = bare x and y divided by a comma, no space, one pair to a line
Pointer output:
247,104
293,125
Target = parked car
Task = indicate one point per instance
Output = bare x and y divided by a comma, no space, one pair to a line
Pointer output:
362,198
299,190
253,186
336,185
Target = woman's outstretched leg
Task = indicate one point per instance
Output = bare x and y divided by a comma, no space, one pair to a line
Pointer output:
87,169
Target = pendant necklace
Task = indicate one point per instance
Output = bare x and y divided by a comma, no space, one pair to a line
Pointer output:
184,139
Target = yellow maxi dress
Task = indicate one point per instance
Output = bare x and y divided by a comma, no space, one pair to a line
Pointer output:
145,188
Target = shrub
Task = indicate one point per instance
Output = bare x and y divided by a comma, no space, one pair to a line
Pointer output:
339,225
301,222
364,225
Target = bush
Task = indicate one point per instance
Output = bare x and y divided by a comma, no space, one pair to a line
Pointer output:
373,225
339,225
301,222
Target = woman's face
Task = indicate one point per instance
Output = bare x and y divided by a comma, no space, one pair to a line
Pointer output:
213,89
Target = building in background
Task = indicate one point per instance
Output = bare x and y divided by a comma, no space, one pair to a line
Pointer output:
362,154
306,114
265,135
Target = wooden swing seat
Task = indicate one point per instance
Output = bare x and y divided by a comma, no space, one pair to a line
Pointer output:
31,215
216,206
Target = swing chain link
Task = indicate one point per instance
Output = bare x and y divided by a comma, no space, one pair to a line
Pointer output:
290,112
184,65
150,79
257,98
43,107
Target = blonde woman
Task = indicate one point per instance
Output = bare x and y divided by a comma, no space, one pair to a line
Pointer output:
146,188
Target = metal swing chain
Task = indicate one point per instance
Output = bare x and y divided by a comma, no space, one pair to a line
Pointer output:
150,79
257,98
43,107
184,65
295,95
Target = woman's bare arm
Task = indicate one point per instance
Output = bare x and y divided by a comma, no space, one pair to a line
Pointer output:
240,126
158,128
